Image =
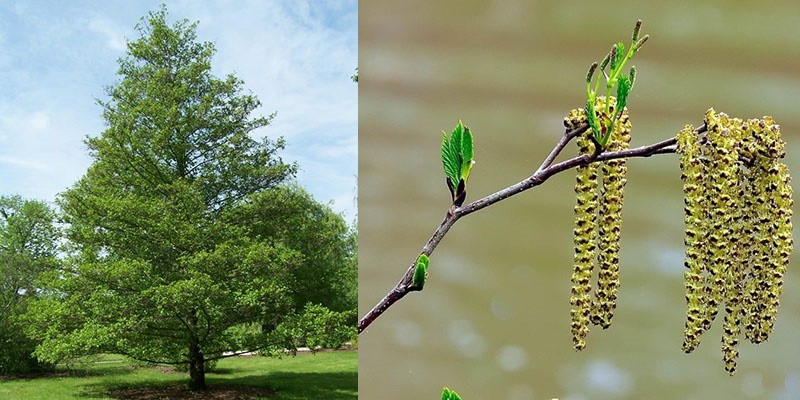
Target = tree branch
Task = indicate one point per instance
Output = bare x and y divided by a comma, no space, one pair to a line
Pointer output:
544,172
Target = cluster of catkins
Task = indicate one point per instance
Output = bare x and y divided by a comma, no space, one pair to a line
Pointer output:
738,217
598,216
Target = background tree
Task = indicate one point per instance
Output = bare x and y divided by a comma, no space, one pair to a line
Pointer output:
28,240
167,257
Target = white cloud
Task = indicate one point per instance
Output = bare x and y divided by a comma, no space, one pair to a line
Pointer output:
23,163
38,121
109,31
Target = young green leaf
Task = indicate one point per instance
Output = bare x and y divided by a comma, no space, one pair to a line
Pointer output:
620,53
623,89
420,272
591,118
450,160
457,159
467,153
448,394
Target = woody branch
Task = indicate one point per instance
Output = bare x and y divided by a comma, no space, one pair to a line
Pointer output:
544,172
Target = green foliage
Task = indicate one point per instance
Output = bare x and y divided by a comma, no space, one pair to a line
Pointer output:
288,214
591,116
623,89
457,159
316,326
615,60
28,238
355,76
448,394
182,227
421,272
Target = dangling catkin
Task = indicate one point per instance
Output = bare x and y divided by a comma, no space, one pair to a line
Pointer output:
738,202
610,225
692,171
584,236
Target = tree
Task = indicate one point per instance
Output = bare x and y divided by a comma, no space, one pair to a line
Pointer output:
28,240
169,254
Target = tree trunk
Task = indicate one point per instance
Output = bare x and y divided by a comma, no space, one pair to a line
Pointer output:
197,370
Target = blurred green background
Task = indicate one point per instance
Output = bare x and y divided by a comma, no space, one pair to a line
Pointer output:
493,321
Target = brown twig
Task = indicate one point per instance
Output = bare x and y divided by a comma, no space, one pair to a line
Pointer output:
544,172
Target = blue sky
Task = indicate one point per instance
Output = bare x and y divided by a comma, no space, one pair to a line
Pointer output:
56,58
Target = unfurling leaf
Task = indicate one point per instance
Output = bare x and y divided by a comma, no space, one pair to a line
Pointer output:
420,272
620,53
467,152
448,394
449,160
457,160
623,89
591,119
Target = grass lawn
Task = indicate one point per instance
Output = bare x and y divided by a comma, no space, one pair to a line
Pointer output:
326,375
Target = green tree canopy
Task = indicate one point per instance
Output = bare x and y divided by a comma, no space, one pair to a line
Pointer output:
28,242
173,247
289,216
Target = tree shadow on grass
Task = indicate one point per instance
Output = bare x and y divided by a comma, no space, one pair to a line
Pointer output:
304,385
68,373
278,385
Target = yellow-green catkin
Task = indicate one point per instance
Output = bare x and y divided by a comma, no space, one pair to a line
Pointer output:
598,219
585,233
753,233
720,192
752,304
760,287
731,326
776,247
770,215
738,210
784,242
693,169
738,247
610,225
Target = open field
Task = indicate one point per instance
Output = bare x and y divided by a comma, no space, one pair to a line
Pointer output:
326,375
